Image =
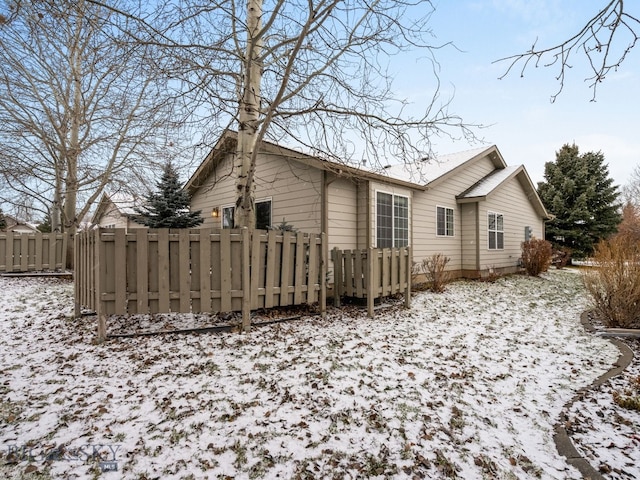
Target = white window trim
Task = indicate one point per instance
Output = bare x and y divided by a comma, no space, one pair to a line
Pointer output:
453,211
393,230
497,231
222,209
233,206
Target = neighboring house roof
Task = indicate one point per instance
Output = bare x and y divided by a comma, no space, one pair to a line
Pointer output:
119,202
16,225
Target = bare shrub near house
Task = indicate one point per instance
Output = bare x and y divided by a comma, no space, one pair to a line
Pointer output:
536,256
433,268
614,282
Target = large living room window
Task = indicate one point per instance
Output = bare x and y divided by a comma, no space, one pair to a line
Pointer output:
392,220
496,231
444,222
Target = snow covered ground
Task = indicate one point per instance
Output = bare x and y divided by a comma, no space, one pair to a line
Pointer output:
466,384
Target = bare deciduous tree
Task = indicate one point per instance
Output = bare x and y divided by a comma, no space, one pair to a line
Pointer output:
312,74
80,108
631,190
605,40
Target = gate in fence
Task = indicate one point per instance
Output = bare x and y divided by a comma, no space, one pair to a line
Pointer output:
372,273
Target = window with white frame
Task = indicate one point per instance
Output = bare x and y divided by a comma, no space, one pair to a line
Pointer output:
392,220
263,215
228,213
496,231
444,222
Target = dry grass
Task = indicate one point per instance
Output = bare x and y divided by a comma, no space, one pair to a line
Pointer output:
614,285
536,256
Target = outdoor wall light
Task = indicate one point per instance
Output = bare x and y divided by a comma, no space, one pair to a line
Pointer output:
215,213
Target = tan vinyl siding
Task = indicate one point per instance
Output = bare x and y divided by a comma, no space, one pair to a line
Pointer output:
511,201
363,199
426,242
294,190
343,214
218,190
469,236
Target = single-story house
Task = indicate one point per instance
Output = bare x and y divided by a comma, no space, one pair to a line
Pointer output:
470,206
18,226
116,210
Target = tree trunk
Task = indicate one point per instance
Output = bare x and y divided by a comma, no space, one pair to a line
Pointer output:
249,115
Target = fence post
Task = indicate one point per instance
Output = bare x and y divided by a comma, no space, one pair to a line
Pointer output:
407,289
323,275
97,272
77,270
337,276
246,279
371,280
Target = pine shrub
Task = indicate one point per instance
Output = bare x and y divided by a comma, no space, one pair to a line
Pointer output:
614,282
536,256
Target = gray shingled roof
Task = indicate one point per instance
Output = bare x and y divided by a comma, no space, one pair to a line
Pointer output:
489,183
427,171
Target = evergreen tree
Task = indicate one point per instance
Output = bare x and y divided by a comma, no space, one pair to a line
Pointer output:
3,221
169,207
580,194
45,226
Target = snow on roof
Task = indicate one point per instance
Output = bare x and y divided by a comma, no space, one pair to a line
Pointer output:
427,171
485,186
124,202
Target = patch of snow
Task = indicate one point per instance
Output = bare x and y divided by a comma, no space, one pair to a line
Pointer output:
467,383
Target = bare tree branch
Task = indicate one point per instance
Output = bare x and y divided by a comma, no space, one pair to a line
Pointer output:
605,40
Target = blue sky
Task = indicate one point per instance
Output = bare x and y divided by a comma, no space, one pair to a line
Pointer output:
520,117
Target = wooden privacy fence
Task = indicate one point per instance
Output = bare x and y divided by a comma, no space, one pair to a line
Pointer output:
372,273
199,270
32,252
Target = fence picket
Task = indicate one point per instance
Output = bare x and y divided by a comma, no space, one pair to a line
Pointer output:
225,270
163,271
271,270
9,257
300,263
184,266
205,270
286,268
312,273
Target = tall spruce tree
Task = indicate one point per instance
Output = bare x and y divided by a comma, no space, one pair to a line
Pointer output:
580,194
169,206
3,221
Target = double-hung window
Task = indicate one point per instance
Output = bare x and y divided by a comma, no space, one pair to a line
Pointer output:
263,215
444,222
392,220
496,231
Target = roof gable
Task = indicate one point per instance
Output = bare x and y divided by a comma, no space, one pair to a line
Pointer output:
486,186
116,202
